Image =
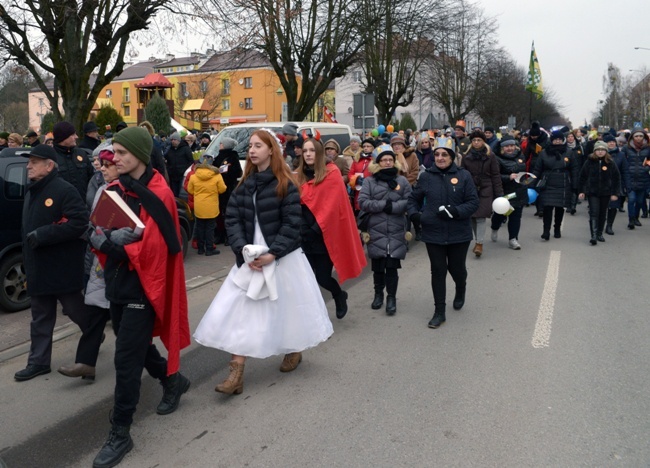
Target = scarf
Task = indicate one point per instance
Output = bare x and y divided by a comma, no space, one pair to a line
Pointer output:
309,172
556,150
388,175
155,207
427,157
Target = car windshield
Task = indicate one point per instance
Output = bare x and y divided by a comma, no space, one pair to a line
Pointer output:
241,134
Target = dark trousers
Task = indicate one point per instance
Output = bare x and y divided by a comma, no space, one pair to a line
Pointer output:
134,351
598,211
514,222
322,266
447,258
44,319
176,185
205,232
91,338
548,217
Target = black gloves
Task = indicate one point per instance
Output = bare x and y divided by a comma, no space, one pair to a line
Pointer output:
388,208
448,212
415,218
32,239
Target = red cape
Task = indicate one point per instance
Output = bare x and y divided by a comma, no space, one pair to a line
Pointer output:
330,205
162,276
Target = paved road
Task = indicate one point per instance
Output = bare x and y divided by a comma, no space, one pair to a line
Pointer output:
547,365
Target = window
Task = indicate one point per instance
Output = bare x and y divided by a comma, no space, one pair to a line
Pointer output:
127,111
126,95
225,104
15,181
225,86
248,103
183,90
356,76
248,82
203,86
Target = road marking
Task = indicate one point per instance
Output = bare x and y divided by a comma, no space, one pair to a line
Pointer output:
542,333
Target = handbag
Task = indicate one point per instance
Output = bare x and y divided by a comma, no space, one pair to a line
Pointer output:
363,219
541,185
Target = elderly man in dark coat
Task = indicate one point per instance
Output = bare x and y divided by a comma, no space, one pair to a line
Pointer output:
54,220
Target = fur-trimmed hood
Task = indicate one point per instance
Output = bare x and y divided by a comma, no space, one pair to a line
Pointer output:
374,167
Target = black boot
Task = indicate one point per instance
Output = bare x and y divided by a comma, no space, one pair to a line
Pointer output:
611,216
118,444
438,317
213,251
201,249
559,215
547,214
341,302
546,235
599,230
378,301
391,305
593,226
459,298
379,280
173,387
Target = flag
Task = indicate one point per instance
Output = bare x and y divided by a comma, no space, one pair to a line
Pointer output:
329,117
534,82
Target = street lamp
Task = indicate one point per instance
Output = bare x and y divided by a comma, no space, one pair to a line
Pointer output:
643,48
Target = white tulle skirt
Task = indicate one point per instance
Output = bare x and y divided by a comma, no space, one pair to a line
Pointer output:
296,321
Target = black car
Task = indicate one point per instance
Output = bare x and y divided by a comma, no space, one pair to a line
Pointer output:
13,180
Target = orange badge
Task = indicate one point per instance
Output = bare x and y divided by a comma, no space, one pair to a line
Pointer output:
49,202
604,168
454,181
566,159
80,158
520,161
398,187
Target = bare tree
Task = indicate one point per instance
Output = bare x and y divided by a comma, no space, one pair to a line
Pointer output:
395,49
71,40
464,46
308,43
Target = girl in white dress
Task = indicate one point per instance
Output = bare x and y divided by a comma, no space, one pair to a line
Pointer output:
270,303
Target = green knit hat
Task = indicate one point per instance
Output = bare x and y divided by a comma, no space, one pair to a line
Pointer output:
137,140
4,135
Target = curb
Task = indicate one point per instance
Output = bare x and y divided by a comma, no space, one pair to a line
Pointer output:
68,329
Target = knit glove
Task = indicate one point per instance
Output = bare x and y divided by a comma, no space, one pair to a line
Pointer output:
124,236
415,218
448,212
32,239
97,238
388,207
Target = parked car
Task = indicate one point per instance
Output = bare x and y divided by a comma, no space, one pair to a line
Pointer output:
242,133
13,180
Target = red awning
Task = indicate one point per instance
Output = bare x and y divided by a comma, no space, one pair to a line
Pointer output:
154,80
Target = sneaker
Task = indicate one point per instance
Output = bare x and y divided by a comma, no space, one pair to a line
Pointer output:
514,244
495,235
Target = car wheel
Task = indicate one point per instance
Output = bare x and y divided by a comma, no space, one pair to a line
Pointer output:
13,294
184,240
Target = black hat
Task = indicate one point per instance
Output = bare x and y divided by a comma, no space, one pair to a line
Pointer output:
62,130
557,135
299,141
31,134
42,151
369,140
206,135
608,137
120,126
535,129
477,134
489,129
90,127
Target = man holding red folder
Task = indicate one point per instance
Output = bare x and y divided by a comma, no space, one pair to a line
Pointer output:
145,284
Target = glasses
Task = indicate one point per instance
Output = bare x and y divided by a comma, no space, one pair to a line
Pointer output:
107,164
441,153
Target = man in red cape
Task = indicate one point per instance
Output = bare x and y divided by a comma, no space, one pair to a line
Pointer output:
145,284
330,205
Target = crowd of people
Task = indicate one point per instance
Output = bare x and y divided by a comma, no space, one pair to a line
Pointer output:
300,210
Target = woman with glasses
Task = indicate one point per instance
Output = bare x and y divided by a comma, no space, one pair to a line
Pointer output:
451,200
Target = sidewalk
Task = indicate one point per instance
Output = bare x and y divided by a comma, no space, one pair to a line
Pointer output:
14,327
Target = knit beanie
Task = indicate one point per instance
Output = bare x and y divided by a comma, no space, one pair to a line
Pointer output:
228,143
137,141
355,138
608,137
4,135
290,129
62,130
600,145
398,139
332,143
507,140
175,136
535,129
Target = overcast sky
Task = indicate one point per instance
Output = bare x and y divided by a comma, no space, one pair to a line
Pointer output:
575,40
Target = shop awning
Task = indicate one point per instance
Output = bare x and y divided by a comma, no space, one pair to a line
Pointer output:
154,80
195,105
101,102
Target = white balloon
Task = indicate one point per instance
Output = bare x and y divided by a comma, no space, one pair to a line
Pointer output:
501,205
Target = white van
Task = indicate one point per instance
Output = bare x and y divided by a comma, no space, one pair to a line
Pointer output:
242,133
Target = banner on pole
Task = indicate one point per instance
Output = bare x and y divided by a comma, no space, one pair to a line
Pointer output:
534,82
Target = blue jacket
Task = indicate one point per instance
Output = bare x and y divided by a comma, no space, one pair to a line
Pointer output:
453,187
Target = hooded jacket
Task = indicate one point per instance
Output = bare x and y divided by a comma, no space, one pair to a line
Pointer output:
484,168
508,165
557,164
599,178
205,185
636,159
178,160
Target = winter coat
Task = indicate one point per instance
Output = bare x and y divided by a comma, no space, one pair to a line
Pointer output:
558,166
178,160
484,168
453,187
362,167
230,158
493,143
386,231
579,154
425,158
74,167
462,146
623,169
532,149
351,155
279,218
89,142
95,293
93,186
508,165
59,216
639,178
410,165
599,179
205,185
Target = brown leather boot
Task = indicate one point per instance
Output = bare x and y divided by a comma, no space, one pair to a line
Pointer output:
234,383
84,371
478,250
290,362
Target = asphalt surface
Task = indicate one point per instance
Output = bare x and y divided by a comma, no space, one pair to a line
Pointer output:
388,391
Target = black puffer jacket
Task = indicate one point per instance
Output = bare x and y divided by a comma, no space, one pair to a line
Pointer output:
557,164
59,216
230,157
639,178
453,187
512,164
74,167
178,160
599,179
279,218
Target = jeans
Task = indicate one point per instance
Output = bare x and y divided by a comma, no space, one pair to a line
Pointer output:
514,222
447,258
634,202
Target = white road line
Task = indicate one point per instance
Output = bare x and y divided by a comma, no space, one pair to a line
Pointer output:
542,333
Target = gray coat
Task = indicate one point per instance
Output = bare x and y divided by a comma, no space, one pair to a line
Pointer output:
386,231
